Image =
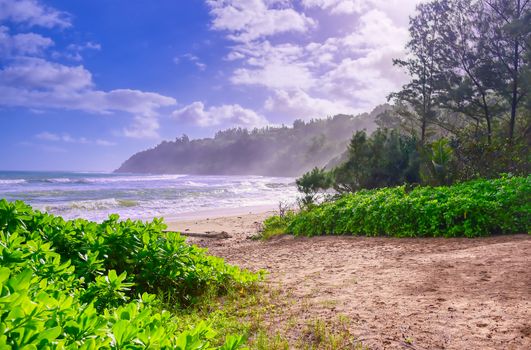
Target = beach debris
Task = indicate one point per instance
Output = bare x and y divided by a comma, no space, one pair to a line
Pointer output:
207,234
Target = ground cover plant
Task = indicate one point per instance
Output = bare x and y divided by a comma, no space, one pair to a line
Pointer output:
115,285
469,209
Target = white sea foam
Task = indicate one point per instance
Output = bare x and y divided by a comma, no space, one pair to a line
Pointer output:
12,181
91,205
114,179
95,196
196,184
63,180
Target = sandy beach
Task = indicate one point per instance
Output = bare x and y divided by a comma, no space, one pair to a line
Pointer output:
426,293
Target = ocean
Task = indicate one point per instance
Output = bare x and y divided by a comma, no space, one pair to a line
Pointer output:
94,196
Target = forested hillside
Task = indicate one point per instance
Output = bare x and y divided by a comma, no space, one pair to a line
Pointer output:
273,151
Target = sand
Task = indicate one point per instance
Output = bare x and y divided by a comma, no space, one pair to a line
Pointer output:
397,293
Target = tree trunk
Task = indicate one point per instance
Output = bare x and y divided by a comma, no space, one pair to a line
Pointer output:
487,118
423,130
516,60
514,100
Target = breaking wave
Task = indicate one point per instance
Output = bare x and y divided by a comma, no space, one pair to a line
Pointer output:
95,196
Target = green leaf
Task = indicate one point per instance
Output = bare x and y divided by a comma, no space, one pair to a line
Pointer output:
4,274
50,334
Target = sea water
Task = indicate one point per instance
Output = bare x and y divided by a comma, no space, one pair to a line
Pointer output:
96,195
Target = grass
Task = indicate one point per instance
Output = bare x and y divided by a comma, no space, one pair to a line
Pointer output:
266,316
319,334
276,225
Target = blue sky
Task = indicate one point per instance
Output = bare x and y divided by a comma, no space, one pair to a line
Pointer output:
85,84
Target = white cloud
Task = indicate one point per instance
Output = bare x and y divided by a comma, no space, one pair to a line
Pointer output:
101,142
273,66
34,13
374,30
125,100
48,136
397,10
37,73
67,138
200,66
190,58
31,81
143,127
226,115
37,83
275,76
298,104
248,20
51,149
368,78
73,52
22,44
89,45
346,73
337,6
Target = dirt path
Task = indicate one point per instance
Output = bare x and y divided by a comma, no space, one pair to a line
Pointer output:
397,293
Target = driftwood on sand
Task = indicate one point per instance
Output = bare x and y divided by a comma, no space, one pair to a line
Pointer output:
208,234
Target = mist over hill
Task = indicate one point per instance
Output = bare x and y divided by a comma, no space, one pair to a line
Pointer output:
270,151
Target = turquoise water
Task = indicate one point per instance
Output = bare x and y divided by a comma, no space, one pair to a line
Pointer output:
96,195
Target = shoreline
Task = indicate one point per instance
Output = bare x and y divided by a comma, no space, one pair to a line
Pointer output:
240,224
213,213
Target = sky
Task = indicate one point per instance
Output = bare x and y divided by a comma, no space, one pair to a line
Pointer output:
85,84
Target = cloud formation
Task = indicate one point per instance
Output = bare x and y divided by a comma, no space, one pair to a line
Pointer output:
234,115
28,78
317,75
299,104
336,6
284,53
190,58
33,13
22,44
247,20
38,83
67,138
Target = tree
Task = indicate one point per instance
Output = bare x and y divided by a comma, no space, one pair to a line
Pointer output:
508,37
419,95
438,163
312,182
386,158
471,76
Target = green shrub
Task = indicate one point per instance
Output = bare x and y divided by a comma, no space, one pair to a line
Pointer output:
470,209
82,285
310,183
276,225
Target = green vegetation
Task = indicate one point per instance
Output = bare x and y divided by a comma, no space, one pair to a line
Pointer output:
468,63
276,225
274,151
83,285
319,334
470,209
386,158
391,158
464,114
